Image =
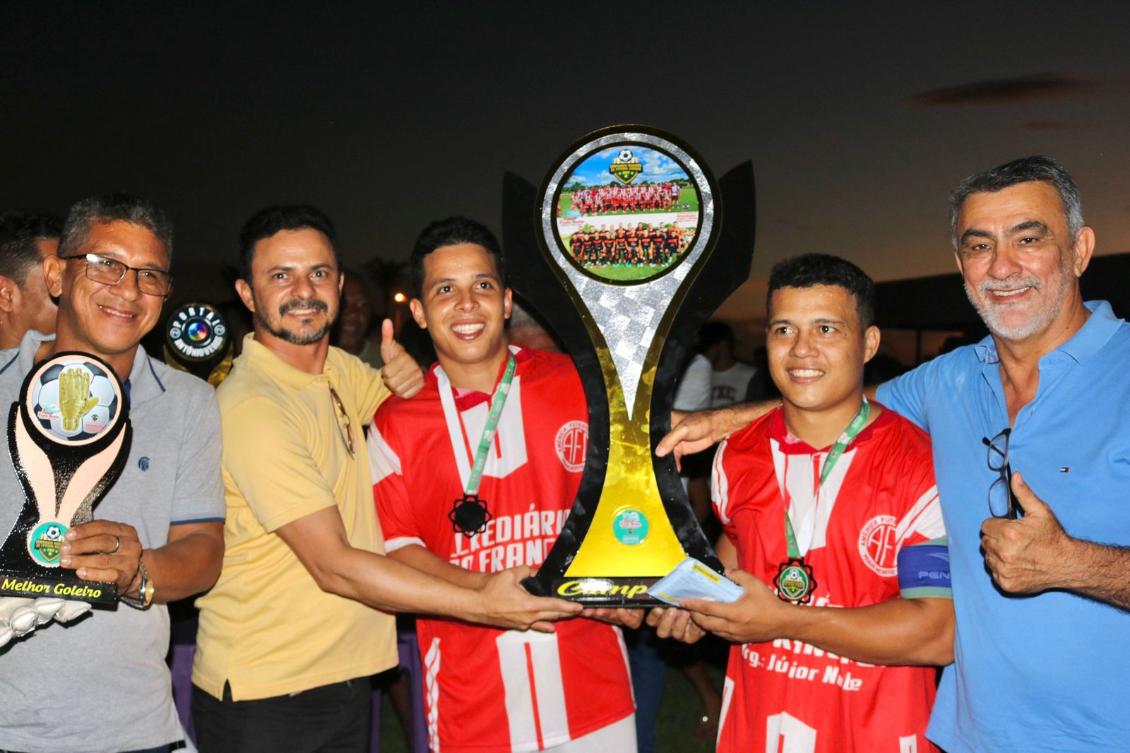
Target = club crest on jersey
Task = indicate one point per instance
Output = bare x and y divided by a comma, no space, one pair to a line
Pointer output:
878,545
625,166
571,444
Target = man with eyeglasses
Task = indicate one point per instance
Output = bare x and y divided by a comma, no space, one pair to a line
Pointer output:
1040,659
103,684
298,620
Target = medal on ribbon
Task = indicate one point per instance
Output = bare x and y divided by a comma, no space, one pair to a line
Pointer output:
469,514
794,581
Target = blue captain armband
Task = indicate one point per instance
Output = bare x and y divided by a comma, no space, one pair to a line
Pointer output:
924,570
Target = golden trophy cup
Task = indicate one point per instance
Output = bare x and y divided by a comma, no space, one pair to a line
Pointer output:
633,258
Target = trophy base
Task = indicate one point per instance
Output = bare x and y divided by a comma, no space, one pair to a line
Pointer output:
65,585
597,591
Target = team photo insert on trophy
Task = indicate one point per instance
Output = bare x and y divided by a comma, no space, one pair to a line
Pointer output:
69,437
627,221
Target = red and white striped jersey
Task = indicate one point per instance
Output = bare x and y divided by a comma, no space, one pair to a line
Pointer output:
787,696
489,690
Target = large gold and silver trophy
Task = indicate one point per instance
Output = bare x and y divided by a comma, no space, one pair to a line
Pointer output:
638,246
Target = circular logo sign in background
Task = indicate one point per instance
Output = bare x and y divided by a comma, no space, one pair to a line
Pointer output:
196,332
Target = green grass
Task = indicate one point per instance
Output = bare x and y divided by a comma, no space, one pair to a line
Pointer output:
625,274
392,737
679,715
688,202
674,730
688,197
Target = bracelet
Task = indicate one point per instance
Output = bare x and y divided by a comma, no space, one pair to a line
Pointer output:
145,590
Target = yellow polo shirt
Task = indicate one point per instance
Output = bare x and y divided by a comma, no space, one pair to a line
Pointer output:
266,628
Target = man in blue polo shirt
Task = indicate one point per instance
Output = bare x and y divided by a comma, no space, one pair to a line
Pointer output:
1041,408
101,685
1041,659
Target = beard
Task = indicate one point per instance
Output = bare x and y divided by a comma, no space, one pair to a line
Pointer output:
291,336
995,314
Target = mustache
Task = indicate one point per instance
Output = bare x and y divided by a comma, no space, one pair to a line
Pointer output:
313,303
1007,284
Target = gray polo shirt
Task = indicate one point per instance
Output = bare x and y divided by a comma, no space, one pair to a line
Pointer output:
101,684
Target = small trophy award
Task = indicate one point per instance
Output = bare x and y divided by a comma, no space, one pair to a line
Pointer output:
69,437
634,257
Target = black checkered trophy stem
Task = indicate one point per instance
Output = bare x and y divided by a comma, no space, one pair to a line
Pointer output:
69,436
628,246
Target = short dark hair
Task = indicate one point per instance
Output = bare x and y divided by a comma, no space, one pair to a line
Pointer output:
1024,170
20,233
808,270
449,232
714,332
266,222
114,207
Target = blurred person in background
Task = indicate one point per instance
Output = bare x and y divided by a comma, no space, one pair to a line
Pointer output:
26,239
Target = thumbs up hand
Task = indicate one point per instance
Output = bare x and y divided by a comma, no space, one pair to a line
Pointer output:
401,373
1027,555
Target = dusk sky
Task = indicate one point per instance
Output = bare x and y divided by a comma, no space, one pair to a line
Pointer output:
858,117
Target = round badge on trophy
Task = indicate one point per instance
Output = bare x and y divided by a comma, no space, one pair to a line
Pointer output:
73,399
627,210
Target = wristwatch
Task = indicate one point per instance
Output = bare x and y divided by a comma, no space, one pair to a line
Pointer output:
145,589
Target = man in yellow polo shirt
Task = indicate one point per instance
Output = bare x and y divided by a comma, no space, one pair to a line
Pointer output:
291,631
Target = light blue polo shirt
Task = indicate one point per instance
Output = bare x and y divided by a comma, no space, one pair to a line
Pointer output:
101,684
1049,672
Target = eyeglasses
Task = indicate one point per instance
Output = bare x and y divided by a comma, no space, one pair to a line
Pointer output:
1002,502
111,271
343,422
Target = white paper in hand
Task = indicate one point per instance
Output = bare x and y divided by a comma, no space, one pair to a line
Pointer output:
693,580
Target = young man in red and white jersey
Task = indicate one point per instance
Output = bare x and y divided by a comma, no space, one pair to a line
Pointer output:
830,511
459,501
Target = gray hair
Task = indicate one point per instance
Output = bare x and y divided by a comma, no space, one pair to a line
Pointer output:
111,208
1023,170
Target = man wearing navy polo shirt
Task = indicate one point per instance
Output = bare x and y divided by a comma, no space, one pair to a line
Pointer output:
1041,576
